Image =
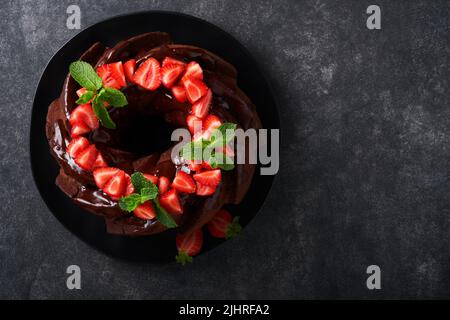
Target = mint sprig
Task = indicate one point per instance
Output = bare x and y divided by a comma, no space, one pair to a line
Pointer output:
113,96
85,75
85,98
145,190
102,114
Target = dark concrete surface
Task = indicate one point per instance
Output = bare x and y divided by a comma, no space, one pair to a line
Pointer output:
365,162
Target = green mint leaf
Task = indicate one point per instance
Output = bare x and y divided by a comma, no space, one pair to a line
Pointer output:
131,202
149,193
183,258
139,182
194,150
163,216
234,228
85,75
102,114
85,98
225,133
114,97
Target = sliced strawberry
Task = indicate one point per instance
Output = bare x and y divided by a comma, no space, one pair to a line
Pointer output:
209,125
99,162
195,89
179,93
194,70
77,145
183,182
87,157
168,61
170,74
194,166
163,185
152,178
209,178
112,75
79,129
129,67
148,76
201,108
206,165
204,190
130,188
171,202
116,186
103,175
84,113
190,244
81,91
145,211
194,123
223,225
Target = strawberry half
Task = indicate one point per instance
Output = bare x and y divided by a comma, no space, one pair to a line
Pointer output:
223,225
188,245
86,115
148,76
194,166
168,61
152,178
209,125
179,93
129,188
87,157
116,186
112,75
210,178
163,185
193,123
129,67
201,108
194,70
145,211
183,182
99,162
103,175
204,190
195,89
170,74
171,202
76,146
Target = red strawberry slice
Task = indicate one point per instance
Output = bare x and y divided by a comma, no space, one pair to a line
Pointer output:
145,211
84,113
179,93
194,70
99,162
209,125
194,123
194,166
79,129
130,188
103,175
223,225
129,67
76,146
184,182
204,190
210,178
152,178
201,108
163,185
168,61
171,202
190,244
148,76
170,74
195,89
87,157
116,186
112,75
206,166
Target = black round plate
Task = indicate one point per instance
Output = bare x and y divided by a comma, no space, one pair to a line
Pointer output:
183,29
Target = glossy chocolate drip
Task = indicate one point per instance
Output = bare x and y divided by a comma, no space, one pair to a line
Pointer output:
161,113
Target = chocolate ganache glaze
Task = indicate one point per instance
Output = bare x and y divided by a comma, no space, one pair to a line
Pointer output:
141,141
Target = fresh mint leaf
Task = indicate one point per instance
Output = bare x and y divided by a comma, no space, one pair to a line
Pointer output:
102,114
139,182
224,133
226,165
163,216
85,98
85,75
234,228
194,150
114,97
131,202
149,193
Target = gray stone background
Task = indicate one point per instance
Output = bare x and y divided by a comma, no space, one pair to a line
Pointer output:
365,165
